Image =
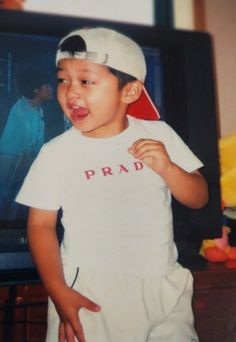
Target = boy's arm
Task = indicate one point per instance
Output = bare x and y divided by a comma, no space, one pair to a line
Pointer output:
188,188
45,250
44,246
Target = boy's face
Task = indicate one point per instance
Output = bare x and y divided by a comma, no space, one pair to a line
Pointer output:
89,96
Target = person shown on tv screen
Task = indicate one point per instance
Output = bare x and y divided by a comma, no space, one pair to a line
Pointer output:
111,175
22,137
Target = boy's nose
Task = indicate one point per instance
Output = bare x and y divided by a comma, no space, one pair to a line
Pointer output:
74,92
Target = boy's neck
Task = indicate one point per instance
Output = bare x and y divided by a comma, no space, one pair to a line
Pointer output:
116,129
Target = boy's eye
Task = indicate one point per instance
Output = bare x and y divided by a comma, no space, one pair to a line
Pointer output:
86,82
61,80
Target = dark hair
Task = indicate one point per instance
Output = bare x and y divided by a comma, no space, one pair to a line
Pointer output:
77,44
122,77
29,79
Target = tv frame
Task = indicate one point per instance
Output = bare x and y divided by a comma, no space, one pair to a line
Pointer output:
189,102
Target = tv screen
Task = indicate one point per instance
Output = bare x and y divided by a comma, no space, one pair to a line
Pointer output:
180,81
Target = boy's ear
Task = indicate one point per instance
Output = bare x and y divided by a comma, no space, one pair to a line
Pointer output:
131,92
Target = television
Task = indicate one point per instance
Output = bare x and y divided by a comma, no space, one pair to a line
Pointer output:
180,82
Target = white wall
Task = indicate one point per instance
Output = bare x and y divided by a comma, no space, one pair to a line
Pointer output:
183,14
220,17
134,11
221,23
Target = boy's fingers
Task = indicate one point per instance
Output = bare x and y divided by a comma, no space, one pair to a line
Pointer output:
148,148
61,333
142,144
70,334
135,144
78,330
90,305
71,327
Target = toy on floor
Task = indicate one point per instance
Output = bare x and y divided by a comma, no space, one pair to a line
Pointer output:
218,250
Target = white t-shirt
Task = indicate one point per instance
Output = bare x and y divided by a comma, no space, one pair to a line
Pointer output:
116,211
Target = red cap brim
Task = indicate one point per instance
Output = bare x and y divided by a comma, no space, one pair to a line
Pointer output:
144,108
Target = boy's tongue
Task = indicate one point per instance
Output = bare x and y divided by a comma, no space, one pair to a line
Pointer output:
79,112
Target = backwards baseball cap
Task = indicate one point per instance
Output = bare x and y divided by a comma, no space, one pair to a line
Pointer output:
115,50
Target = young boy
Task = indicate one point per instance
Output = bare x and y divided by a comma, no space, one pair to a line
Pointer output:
117,276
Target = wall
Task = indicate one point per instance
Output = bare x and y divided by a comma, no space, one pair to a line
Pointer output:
183,14
221,23
218,18
133,11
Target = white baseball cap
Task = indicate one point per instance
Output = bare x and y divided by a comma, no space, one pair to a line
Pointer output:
110,48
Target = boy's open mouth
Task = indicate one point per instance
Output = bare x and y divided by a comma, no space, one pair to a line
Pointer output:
78,113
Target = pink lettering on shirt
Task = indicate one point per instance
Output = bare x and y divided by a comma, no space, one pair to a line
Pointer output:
89,173
107,171
138,166
123,169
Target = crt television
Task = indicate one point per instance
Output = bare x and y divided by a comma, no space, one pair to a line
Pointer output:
181,83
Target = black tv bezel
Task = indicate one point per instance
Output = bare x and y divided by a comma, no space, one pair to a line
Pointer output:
189,93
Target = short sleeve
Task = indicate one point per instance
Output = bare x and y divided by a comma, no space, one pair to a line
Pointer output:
42,186
180,153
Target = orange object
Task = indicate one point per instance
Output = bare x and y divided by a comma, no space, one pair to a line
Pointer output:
13,4
218,250
215,254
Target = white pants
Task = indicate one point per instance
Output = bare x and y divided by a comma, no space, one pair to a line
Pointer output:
133,309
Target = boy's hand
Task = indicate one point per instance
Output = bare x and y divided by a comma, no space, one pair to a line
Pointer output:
152,153
189,188
68,307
